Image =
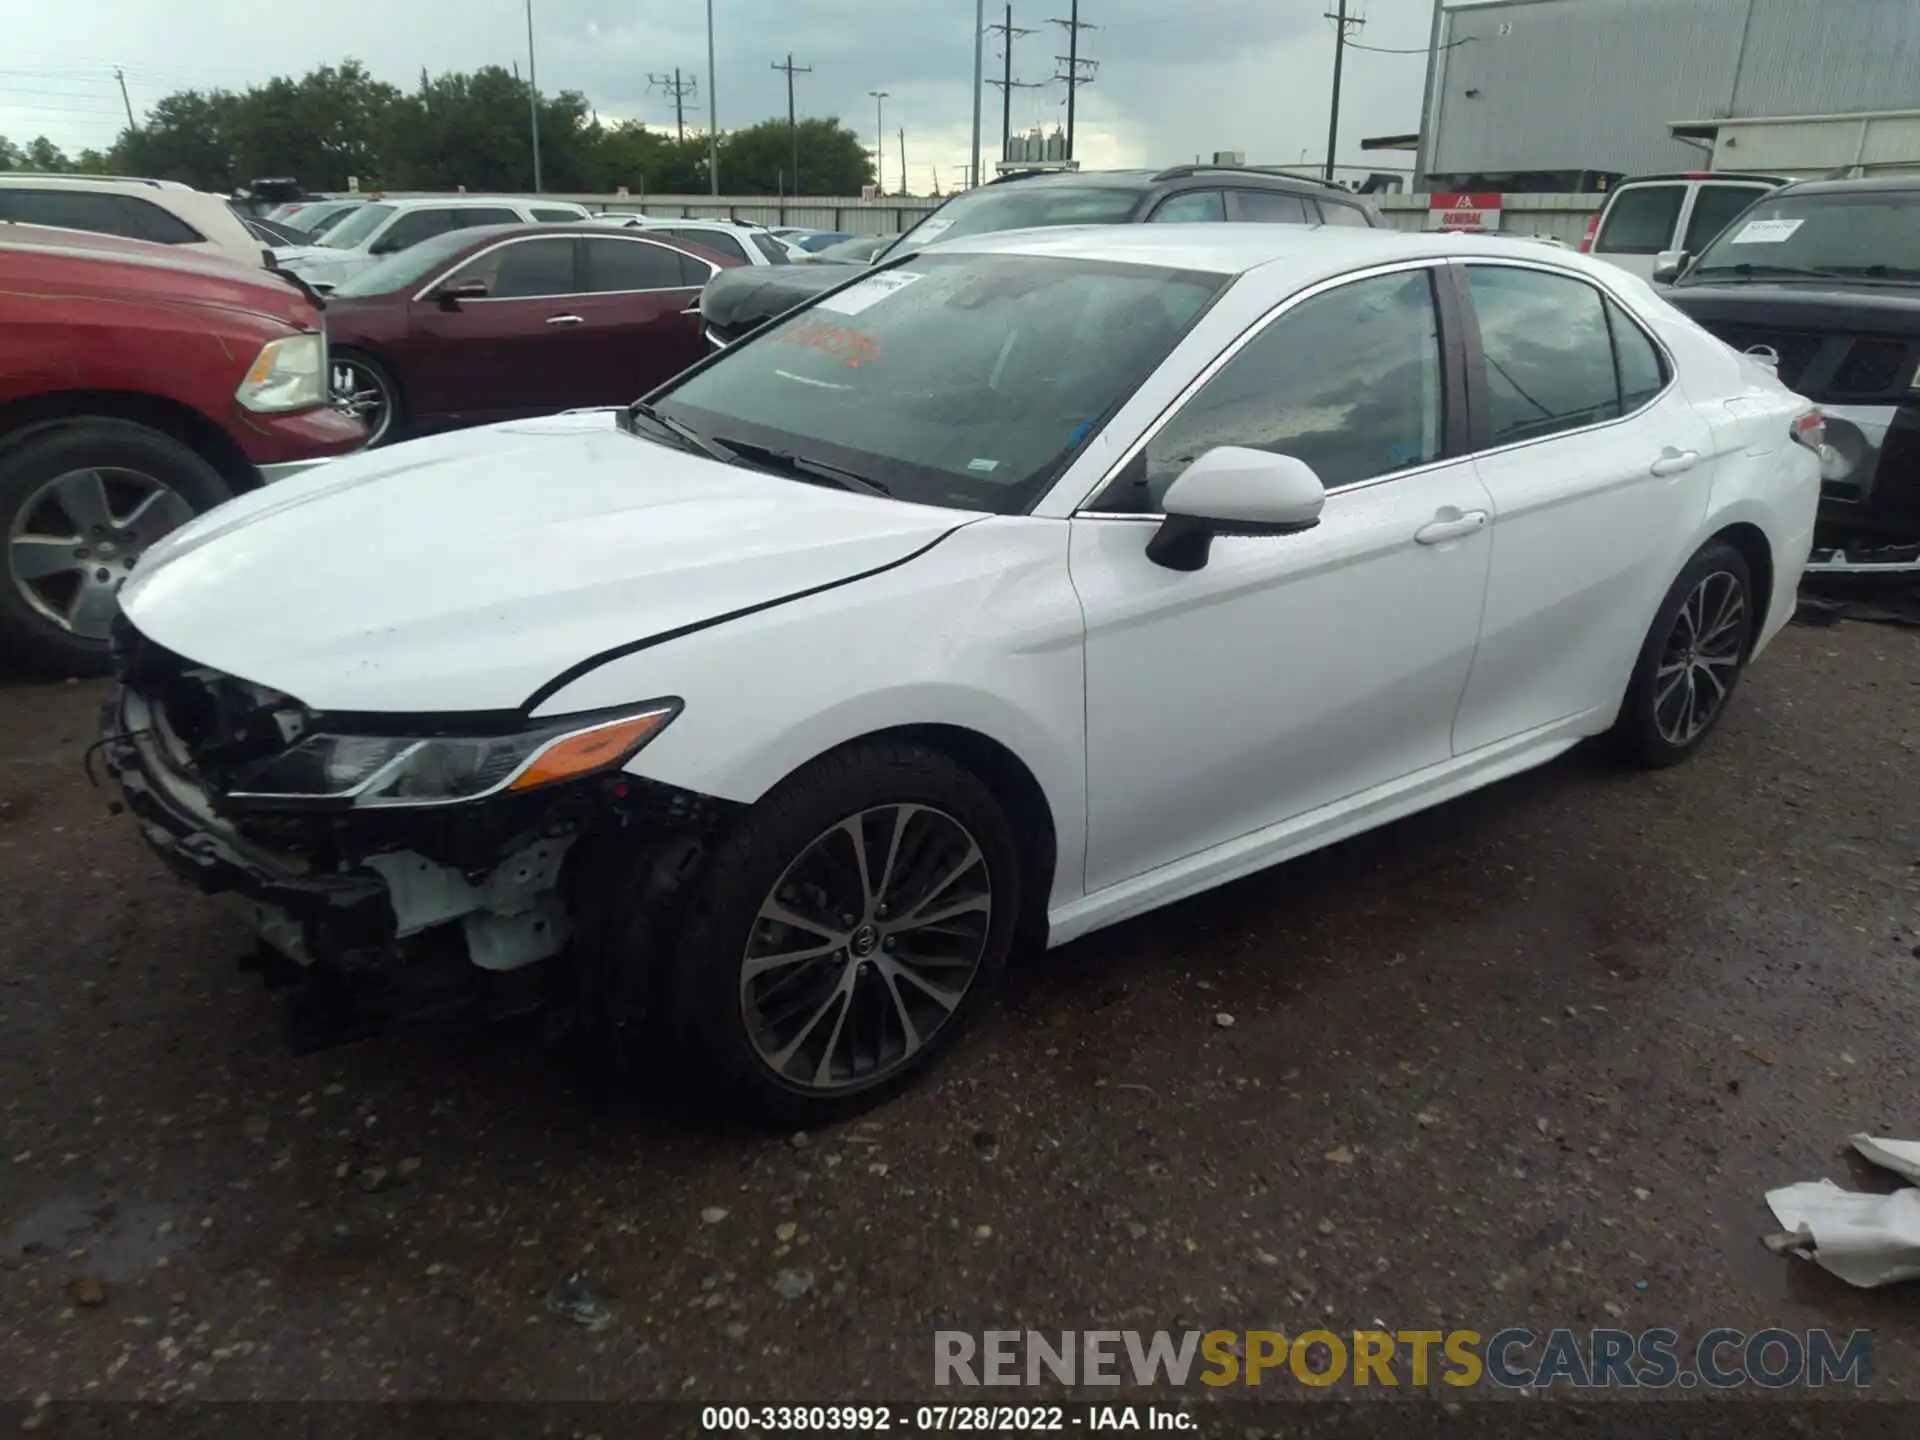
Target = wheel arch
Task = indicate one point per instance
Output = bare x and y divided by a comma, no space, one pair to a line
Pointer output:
20,420
1014,785
1754,547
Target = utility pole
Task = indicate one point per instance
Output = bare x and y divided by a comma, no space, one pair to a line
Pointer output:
979,56
533,99
121,76
679,89
1074,25
1008,84
793,128
1342,26
713,110
880,140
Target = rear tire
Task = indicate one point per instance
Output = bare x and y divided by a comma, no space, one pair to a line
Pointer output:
886,987
79,505
1691,660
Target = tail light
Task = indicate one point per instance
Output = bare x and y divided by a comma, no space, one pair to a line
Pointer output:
1593,229
1810,430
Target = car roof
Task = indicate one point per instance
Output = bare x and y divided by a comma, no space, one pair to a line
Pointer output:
91,245
416,202
1866,185
1723,177
1242,176
64,180
1232,249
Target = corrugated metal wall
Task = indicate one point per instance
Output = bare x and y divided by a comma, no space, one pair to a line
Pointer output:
1591,84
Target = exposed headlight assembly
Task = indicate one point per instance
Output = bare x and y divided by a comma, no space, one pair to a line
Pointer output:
373,771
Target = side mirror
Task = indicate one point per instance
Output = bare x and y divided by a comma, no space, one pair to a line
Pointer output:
449,296
1232,490
1669,265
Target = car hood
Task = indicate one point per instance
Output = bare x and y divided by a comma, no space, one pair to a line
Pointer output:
735,301
463,573
1831,307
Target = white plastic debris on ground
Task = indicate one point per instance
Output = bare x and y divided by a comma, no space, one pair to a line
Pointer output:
1866,1240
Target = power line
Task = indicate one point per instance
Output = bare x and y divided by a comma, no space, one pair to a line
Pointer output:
1074,78
793,127
1009,32
679,89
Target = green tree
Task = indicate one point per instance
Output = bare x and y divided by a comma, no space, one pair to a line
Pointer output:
187,137
10,156
756,160
646,161
39,153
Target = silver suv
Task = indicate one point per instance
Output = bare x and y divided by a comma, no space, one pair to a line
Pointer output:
386,227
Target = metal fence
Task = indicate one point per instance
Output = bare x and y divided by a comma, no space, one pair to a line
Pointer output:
1564,217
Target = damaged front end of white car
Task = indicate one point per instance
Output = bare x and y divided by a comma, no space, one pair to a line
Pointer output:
391,867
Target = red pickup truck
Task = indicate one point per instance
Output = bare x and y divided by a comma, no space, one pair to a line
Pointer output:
139,386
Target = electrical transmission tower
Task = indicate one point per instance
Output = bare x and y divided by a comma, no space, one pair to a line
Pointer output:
1079,72
1006,86
679,89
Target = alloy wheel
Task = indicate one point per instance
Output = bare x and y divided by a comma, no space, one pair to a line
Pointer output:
865,947
77,539
362,394
1701,658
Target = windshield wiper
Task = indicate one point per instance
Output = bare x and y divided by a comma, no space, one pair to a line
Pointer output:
1747,270
683,434
804,467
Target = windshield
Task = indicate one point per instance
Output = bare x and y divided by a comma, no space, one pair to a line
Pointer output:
1865,234
410,266
329,220
1018,205
356,228
960,380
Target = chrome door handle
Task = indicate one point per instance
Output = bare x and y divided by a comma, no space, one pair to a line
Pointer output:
565,320
1438,532
1674,462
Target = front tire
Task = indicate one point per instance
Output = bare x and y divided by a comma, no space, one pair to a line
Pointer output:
1691,660
79,505
846,932
362,386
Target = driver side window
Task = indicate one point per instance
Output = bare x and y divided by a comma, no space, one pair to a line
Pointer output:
1348,381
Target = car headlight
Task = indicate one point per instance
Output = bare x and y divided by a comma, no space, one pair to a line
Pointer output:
289,374
392,770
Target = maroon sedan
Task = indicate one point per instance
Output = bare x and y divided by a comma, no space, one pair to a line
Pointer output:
506,321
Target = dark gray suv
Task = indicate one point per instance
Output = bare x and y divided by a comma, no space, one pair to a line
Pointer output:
736,301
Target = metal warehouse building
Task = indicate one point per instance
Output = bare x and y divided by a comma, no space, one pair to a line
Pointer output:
1530,87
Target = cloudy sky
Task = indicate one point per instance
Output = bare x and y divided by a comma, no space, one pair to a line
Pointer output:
1176,78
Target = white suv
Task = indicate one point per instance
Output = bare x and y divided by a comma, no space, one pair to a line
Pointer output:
1653,214
386,227
162,211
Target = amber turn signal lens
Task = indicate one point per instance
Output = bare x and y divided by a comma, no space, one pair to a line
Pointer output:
587,750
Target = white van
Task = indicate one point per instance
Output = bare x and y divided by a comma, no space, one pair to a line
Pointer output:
1650,214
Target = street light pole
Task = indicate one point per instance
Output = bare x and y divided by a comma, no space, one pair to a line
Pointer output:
880,141
979,78
533,99
713,110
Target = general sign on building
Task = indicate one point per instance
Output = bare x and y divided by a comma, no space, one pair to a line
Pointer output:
1454,211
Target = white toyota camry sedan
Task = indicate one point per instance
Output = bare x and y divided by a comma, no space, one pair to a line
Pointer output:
995,597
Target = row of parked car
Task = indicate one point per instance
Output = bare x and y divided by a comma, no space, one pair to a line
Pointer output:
452,311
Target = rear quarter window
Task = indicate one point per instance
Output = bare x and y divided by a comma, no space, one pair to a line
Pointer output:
1640,220
1333,212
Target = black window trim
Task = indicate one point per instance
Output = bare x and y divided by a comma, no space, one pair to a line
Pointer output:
1455,436
1480,418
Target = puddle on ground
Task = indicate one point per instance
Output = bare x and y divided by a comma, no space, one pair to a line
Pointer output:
122,1239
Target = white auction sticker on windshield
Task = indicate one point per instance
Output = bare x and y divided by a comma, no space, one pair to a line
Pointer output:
1765,232
932,229
869,292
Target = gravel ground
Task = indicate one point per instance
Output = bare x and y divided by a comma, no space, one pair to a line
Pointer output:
1530,1058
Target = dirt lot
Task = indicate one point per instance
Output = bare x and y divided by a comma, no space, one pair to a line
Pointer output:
1532,1058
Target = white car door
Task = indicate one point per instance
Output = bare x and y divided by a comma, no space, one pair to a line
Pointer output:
1599,467
1288,672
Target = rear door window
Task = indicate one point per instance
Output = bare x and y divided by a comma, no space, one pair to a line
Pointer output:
547,216
1713,207
1641,220
1549,355
1334,212
718,240
621,265
1643,374
162,227
1270,207
71,210
768,246
1194,205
